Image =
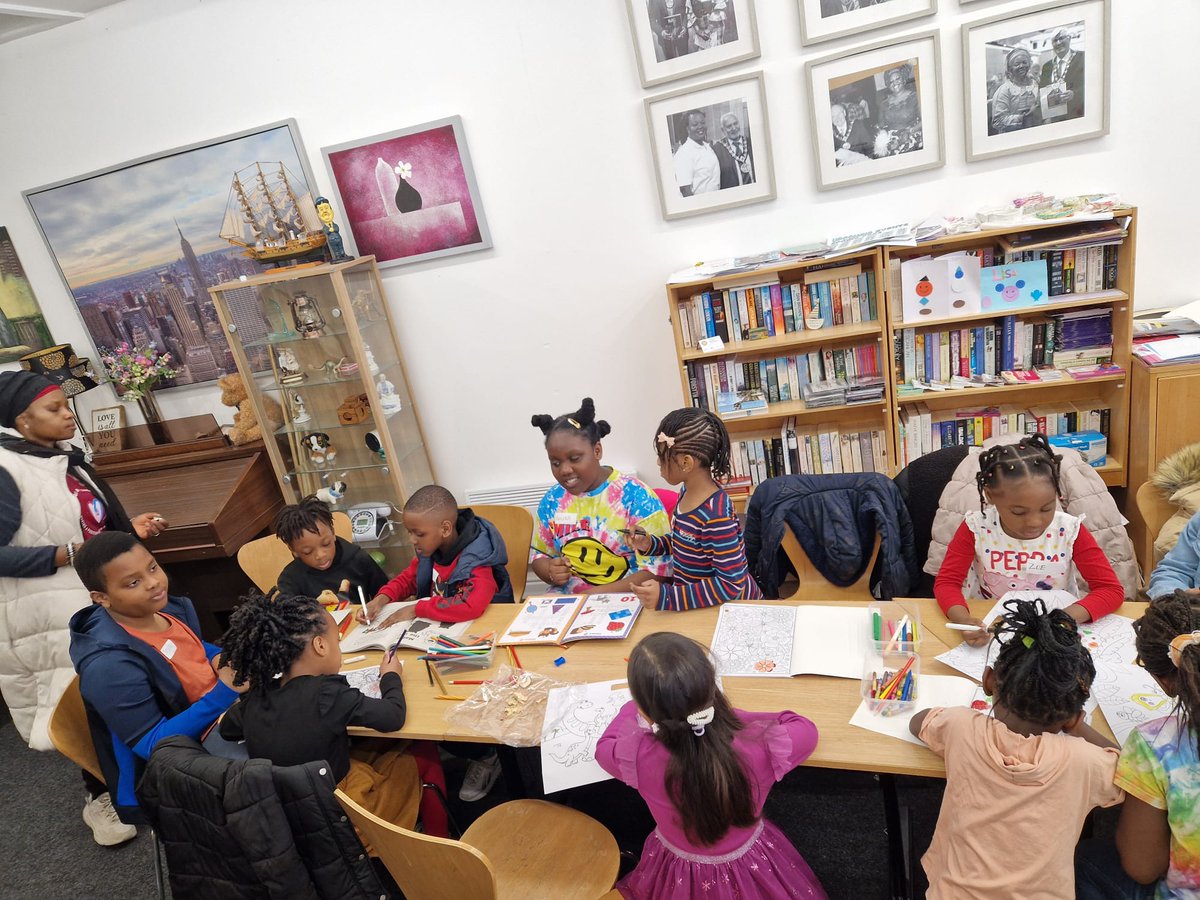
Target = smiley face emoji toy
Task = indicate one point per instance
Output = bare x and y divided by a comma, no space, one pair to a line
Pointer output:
593,562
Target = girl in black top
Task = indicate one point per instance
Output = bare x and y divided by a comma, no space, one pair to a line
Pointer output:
298,709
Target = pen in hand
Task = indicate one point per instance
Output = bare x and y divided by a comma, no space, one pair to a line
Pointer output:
955,626
362,599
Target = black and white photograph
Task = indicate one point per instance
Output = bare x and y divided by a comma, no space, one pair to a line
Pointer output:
710,146
675,38
876,111
1037,79
822,20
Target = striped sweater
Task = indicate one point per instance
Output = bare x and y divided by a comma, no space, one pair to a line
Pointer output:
708,557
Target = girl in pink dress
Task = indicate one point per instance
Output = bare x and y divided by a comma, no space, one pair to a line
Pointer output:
704,769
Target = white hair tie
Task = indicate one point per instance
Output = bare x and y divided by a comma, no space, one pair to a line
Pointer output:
1178,644
699,719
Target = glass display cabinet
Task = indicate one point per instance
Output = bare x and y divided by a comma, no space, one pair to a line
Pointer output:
323,369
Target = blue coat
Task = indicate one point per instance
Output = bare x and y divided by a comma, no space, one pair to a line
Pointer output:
133,697
835,519
479,544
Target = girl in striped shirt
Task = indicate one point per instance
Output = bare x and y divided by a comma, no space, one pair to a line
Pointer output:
705,543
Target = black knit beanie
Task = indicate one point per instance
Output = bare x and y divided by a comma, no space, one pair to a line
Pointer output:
17,391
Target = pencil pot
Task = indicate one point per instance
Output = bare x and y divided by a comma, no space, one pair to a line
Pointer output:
890,682
893,628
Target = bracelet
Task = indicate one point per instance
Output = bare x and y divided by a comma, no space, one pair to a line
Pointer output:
71,554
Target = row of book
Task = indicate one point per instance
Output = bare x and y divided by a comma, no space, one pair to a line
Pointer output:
805,451
1082,270
780,379
923,431
1011,344
826,297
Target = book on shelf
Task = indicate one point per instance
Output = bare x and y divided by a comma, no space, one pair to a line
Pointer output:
1068,235
731,404
563,618
819,450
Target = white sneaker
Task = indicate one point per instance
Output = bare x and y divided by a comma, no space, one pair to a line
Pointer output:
106,825
481,775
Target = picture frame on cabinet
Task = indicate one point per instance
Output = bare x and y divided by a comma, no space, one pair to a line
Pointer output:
409,195
876,110
137,244
1037,78
711,146
824,20
676,38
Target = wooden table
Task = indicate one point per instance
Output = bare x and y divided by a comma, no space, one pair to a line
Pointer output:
828,702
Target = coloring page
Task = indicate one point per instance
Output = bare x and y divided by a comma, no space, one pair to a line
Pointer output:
932,690
755,640
576,716
1129,697
542,619
973,660
365,679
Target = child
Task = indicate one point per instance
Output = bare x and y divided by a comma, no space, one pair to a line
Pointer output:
708,557
704,769
298,708
459,567
578,543
1158,836
1021,541
1020,781
1180,568
322,559
142,668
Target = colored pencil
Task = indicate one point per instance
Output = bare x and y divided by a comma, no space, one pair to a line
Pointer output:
448,697
466,681
516,658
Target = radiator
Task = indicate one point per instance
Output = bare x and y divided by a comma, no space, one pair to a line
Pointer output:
528,495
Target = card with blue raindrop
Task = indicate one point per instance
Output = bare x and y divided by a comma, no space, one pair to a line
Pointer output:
1015,286
933,289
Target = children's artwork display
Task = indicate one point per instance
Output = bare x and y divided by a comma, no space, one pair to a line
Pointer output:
1014,286
781,641
563,618
576,716
935,690
935,288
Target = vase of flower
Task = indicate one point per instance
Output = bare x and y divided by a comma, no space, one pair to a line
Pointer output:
134,371
148,404
408,198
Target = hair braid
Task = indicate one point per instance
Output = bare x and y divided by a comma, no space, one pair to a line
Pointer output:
699,433
582,421
1043,672
1165,619
294,520
1030,457
267,635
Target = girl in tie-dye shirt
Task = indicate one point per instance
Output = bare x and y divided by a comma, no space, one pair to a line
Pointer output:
1158,837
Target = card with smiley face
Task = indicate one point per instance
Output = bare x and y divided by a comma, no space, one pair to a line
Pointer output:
1015,286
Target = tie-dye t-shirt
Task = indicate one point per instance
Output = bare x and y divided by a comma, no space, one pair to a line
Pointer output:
1160,766
586,529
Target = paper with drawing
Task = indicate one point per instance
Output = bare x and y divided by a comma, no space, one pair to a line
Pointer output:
576,716
386,630
932,690
781,641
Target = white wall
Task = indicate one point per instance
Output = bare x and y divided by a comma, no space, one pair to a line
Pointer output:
570,301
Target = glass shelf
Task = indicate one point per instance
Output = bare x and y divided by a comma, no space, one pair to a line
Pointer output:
278,341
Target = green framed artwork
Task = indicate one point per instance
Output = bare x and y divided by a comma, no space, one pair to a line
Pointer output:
22,325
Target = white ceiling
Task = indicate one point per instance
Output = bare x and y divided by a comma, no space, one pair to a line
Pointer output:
20,19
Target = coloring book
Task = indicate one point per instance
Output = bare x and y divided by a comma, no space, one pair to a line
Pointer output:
563,618
384,633
781,641
576,716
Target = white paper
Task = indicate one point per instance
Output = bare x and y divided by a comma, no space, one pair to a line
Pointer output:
576,716
366,680
781,641
1177,347
973,660
1129,697
932,690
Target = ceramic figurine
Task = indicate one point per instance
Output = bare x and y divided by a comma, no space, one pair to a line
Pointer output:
289,367
299,413
320,449
364,304
387,396
333,238
307,315
333,493
372,366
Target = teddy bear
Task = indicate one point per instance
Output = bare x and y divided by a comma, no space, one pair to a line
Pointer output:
246,428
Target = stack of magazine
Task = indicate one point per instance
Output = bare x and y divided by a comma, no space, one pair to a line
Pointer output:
865,389
818,394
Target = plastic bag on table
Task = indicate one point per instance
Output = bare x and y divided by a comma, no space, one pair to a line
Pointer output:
509,708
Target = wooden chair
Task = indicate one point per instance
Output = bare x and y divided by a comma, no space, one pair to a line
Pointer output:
813,585
72,737
515,524
523,849
1155,510
263,559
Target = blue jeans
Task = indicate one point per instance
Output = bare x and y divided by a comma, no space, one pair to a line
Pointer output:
1099,876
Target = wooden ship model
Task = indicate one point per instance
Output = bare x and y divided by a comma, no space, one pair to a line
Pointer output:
265,216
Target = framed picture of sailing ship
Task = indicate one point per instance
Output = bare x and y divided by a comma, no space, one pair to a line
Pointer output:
138,244
409,195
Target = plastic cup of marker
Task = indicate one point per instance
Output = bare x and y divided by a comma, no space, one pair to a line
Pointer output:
892,627
890,682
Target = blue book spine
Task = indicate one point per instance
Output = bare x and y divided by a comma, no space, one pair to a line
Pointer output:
1007,336
798,305
929,370
764,304
826,302
978,358
710,329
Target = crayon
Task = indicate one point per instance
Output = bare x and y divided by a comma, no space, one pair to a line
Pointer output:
448,697
466,681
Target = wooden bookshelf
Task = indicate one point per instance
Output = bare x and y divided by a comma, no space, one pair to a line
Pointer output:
1110,391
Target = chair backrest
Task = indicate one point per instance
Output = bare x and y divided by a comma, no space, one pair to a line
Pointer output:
69,731
425,868
813,585
668,498
1155,510
515,524
263,559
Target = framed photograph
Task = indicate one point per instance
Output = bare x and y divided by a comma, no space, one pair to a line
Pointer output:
409,195
139,244
823,20
676,38
109,418
711,146
877,111
1037,79
23,328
